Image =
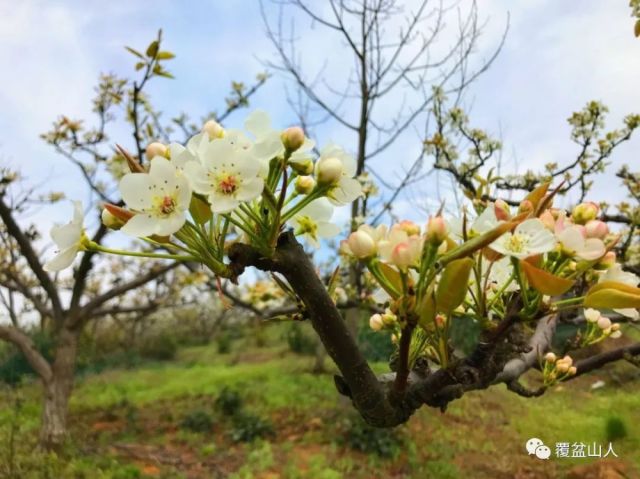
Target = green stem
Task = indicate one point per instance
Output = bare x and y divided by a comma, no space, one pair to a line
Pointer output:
140,254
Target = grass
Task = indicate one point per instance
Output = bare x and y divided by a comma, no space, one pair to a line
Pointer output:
129,420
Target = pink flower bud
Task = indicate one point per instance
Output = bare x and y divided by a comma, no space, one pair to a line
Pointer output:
585,212
596,229
329,171
572,371
292,138
305,184
502,210
375,322
437,230
604,322
526,206
156,149
550,357
401,256
213,129
361,244
562,366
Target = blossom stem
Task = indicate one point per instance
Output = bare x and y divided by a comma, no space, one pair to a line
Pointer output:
140,254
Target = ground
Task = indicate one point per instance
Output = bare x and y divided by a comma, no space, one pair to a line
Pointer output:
130,423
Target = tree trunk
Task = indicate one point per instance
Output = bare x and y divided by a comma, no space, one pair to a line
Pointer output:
53,430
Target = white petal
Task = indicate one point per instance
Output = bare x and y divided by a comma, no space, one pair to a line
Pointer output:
184,194
318,210
258,123
78,213
345,192
571,238
328,230
168,226
135,189
222,203
593,249
629,313
197,176
163,175
140,225
67,235
61,260
250,189
486,221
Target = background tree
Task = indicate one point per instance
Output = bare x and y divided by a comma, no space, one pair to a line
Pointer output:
64,305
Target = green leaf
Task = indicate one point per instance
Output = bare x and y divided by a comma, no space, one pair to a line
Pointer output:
140,65
393,277
611,294
135,52
453,284
426,310
544,282
612,299
200,210
152,49
636,29
165,55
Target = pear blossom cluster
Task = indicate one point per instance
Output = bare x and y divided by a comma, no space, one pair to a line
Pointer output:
557,369
476,265
223,185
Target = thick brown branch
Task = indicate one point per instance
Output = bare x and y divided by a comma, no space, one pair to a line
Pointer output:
26,346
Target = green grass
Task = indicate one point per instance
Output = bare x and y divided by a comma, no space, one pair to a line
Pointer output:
481,435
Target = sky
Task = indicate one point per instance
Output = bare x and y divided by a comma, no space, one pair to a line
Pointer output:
556,57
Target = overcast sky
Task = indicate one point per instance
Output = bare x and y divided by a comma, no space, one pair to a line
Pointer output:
557,56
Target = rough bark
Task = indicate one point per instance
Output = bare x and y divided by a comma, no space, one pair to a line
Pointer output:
57,390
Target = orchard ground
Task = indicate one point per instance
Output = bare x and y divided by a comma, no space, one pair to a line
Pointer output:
161,419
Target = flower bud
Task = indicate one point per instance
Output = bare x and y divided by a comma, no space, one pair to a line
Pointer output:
502,210
591,315
568,360
329,171
304,167
526,206
604,322
361,244
213,129
596,229
572,371
607,261
550,357
305,184
110,221
409,227
375,322
292,138
156,149
585,212
615,334
388,318
394,338
562,366
436,230
401,256
615,327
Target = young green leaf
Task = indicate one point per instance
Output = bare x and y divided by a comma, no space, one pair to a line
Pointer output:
452,287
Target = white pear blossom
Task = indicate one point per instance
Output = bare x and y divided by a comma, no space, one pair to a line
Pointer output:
529,238
226,174
575,243
485,221
616,273
400,249
346,189
69,240
159,198
312,222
